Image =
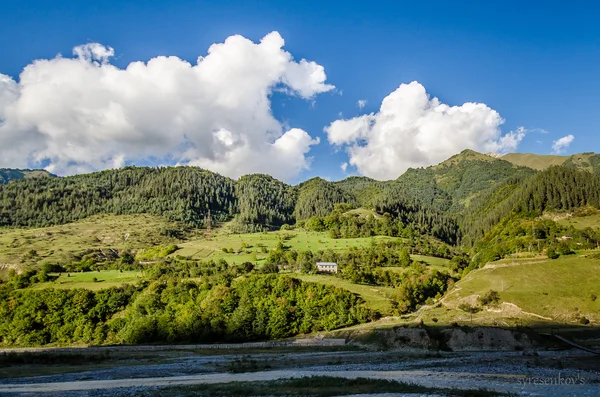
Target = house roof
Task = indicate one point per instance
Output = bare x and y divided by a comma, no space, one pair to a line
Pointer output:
326,264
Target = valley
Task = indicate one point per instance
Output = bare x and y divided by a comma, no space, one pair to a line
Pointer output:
474,254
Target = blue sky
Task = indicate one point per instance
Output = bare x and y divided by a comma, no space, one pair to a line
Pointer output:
535,63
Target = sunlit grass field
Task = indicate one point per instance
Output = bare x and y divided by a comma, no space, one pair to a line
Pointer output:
254,247
560,289
103,279
375,297
57,243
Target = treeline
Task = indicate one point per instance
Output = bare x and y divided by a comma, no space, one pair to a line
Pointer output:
520,234
423,219
170,311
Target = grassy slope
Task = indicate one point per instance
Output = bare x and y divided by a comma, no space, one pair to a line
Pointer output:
557,289
10,174
582,222
105,279
535,161
301,240
57,243
376,297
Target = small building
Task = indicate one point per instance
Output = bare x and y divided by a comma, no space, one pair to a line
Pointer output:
327,267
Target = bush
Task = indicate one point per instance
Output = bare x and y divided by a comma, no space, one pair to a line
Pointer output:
584,320
490,298
465,307
552,254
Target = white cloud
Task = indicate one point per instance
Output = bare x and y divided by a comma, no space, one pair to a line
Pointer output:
83,113
344,166
412,130
560,145
361,103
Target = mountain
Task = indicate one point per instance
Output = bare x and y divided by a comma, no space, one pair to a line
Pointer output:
454,183
535,161
458,200
10,174
264,203
584,161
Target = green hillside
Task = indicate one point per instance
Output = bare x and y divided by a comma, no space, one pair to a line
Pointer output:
560,290
454,183
10,174
585,161
128,256
535,161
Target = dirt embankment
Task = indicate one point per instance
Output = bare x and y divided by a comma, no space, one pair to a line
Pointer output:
448,339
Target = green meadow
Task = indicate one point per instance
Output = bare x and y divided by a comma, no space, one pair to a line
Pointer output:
254,247
562,289
59,243
92,280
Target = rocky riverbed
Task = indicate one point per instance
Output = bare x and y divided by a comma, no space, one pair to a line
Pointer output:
527,373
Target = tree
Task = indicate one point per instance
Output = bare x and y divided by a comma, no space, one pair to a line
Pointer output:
551,252
404,258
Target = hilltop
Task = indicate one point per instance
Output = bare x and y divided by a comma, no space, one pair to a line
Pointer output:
535,161
454,183
11,174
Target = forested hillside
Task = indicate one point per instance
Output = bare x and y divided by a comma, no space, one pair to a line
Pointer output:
317,197
178,193
397,245
458,180
457,201
556,189
264,203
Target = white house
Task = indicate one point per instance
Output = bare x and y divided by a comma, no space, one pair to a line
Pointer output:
328,267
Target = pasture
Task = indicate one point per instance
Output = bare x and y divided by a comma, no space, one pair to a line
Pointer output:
59,243
254,247
375,297
92,280
563,289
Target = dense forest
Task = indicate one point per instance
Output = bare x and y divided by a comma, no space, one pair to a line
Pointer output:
178,193
264,203
317,197
172,311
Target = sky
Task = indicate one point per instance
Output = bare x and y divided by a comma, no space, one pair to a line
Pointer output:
294,89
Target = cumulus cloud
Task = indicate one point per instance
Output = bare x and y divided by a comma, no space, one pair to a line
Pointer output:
412,129
83,113
560,145
361,103
344,166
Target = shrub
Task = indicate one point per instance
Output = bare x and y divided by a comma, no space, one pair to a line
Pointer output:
490,298
584,320
552,254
